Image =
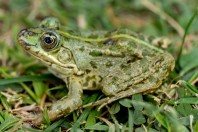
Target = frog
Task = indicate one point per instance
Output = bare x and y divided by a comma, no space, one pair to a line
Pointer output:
120,63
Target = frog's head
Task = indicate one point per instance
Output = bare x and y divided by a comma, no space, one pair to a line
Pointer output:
35,40
42,38
45,44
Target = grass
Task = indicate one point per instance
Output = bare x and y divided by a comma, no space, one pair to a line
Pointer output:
24,81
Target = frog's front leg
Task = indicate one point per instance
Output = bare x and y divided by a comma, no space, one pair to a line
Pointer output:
65,105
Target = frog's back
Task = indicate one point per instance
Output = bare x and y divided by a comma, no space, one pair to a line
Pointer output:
113,51
123,57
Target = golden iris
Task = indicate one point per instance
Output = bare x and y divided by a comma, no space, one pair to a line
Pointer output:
49,41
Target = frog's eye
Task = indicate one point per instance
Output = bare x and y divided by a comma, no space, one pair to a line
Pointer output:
49,41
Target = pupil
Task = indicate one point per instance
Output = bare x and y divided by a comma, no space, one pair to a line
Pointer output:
48,40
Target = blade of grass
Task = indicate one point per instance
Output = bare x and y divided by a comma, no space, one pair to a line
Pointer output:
188,86
184,37
39,88
81,119
8,123
46,117
29,91
162,120
26,79
97,127
84,114
91,120
54,125
130,120
195,75
187,100
4,102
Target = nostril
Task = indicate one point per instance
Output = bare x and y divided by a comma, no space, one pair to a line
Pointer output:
20,37
21,33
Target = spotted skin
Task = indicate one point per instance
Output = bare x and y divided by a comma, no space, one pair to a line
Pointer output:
119,63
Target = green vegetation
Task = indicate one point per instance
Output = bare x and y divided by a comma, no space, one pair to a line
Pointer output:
24,81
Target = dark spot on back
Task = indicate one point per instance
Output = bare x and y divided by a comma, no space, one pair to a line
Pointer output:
95,53
114,80
88,79
93,64
129,61
133,59
87,71
158,61
123,66
110,41
93,84
82,48
100,79
108,64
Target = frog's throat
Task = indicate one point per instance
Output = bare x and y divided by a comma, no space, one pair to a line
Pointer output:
52,62
66,34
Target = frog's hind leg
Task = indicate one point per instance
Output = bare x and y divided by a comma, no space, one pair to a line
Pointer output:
140,88
143,86
148,85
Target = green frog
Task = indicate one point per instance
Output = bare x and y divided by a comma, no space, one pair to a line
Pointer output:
120,63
